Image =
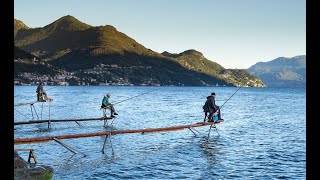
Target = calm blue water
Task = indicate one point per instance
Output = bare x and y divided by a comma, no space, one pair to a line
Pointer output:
263,135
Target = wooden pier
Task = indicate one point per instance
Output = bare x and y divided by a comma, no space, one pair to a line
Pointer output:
107,133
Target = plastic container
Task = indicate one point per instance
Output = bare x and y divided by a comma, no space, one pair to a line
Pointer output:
215,118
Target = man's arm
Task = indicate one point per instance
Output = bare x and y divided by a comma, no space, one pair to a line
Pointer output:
214,105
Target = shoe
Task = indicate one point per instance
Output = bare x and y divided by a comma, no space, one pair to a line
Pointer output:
112,116
115,113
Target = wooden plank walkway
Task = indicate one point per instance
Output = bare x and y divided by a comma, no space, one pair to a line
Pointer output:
151,130
61,120
23,104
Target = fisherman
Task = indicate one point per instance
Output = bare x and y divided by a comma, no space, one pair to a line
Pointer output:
107,105
211,107
42,95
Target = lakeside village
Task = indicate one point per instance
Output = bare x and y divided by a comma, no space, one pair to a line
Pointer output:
97,76
62,77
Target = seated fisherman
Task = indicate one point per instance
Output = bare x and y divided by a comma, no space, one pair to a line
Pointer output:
211,107
107,104
42,96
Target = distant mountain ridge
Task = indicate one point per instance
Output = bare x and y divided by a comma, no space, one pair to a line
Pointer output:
75,46
282,71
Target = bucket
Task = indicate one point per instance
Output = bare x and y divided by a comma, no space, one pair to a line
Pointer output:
215,118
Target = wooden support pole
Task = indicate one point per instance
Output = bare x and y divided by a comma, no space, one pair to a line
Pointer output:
35,111
41,110
67,147
192,131
31,111
214,126
31,155
78,123
104,144
62,144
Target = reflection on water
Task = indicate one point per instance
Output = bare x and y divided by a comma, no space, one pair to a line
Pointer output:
210,149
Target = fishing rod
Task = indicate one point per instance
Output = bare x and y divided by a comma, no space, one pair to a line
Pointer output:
219,110
230,97
52,88
232,94
135,96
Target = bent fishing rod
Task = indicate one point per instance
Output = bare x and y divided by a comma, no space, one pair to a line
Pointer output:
136,96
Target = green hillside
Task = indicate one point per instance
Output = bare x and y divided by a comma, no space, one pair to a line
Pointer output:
194,60
19,53
75,46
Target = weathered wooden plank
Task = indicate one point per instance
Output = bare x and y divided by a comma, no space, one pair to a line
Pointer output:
23,104
61,120
151,130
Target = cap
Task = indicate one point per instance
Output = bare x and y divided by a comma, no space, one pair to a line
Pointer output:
213,93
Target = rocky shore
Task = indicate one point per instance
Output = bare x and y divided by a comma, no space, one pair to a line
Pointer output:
22,170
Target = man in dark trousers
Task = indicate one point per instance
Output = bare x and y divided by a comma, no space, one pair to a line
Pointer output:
40,93
211,107
107,105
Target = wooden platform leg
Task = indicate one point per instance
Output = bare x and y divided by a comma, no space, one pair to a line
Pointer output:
105,142
34,111
192,131
214,126
68,147
31,155
49,124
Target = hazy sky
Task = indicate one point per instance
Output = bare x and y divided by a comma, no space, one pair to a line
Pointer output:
233,33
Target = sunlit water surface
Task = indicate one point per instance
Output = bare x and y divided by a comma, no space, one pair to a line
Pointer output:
263,135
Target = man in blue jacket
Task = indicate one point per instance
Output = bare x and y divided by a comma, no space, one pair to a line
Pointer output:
107,105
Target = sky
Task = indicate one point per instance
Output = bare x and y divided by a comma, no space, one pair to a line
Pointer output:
233,33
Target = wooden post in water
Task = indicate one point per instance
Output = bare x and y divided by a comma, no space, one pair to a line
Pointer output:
67,147
105,142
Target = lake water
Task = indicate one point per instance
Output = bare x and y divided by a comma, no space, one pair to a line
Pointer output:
263,135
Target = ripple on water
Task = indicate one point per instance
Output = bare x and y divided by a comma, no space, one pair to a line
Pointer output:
261,137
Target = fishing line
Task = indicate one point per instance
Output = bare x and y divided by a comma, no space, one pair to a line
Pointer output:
136,96
21,113
233,93
52,87
230,97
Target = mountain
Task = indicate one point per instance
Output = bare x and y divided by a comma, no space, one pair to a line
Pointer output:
104,54
18,25
282,71
194,60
